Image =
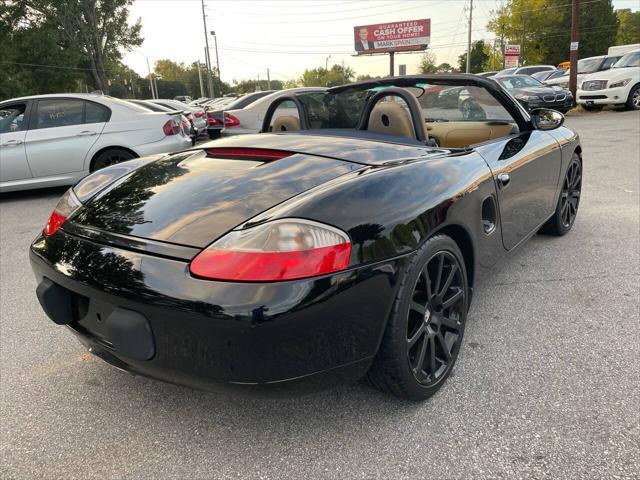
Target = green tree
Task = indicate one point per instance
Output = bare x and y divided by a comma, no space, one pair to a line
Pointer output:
170,70
479,56
35,58
628,28
427,63
97,29
543,28
248,86
445,68
320,77
361,78
294,83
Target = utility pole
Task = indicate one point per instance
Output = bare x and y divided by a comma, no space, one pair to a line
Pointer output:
208,72
573,52
200,78
206,41
391,66
268,80
215,42
153,95
326,62
502,43
469,35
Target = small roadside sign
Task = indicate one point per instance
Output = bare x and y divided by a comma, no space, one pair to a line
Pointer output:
574,46
511,61
512,49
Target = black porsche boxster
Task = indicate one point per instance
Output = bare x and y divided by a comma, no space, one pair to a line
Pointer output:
343,241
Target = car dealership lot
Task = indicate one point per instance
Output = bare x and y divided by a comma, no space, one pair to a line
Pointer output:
547,383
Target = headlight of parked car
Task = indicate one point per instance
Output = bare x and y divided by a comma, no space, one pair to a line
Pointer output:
620,83
528,98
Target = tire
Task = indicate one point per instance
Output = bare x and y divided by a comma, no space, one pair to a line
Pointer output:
633,102
214,134
569,198
412,362
111,157
592,108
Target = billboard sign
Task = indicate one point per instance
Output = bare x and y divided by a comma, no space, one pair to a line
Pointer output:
412,35
512,49
511,61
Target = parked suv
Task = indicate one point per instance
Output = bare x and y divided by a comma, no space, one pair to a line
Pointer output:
618,86
585,67
54,140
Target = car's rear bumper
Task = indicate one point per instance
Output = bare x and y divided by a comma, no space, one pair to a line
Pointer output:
148,315
169,144
608,96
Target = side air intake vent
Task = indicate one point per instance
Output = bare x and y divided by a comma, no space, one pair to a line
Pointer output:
489,214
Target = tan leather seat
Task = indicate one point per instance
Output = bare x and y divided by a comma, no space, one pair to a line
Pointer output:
286,123
463,134
391,118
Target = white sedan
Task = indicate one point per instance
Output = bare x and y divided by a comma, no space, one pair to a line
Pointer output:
195,114
249,119
54,140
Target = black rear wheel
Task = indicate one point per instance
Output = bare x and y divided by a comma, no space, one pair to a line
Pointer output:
633,102
111,157
424,334
569,201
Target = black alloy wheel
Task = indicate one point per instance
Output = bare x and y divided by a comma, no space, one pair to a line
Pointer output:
423,336
111,157
569,201
633,102
434,318
570,196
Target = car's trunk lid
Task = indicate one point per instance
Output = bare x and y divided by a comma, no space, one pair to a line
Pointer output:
193,198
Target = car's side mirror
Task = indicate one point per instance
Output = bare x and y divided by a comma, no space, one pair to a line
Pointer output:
546,119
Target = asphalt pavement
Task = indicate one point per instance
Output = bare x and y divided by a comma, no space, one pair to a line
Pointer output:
547,384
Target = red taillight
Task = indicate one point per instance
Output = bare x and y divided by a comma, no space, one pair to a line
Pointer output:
270,266
65,207
56,220
230,120
171,127
198,114
280,250
213,120
248,153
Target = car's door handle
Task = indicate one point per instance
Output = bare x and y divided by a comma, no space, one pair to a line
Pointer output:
504,179
85,133
12,143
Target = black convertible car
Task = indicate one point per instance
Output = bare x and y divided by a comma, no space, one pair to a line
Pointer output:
344,241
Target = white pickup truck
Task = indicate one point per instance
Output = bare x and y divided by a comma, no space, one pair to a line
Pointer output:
619,86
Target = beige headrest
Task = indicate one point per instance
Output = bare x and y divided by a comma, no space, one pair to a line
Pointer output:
392,118
286,123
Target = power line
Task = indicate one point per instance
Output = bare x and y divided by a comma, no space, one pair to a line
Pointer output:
316,20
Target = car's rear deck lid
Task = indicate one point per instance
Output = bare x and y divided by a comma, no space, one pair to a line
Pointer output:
367,148
192,198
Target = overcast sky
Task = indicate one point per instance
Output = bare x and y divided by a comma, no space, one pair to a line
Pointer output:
289,36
